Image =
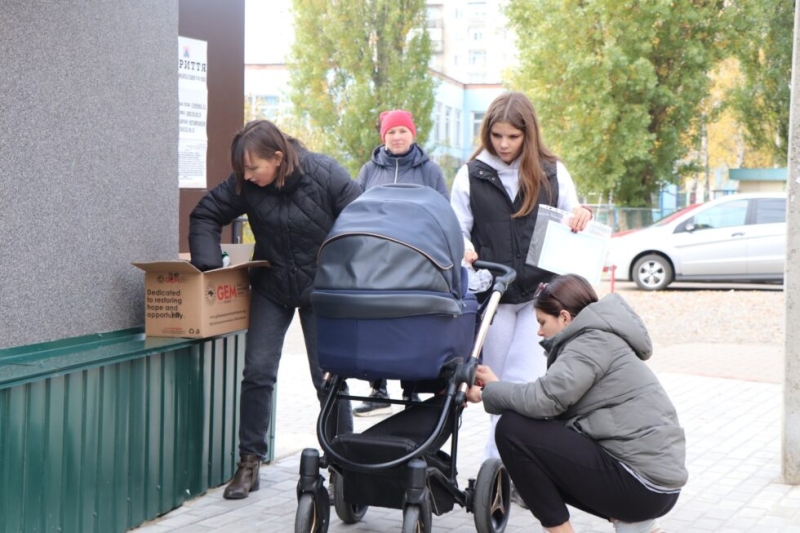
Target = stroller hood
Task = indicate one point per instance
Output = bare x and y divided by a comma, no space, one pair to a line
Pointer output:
394,236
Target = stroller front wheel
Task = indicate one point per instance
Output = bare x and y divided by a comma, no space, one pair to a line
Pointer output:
313,513
417,518
492,497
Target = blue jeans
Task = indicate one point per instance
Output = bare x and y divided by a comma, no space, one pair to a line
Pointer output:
268,325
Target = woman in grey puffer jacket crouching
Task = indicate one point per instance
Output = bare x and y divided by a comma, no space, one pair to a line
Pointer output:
597,431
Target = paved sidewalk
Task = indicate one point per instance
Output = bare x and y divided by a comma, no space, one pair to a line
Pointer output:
733,426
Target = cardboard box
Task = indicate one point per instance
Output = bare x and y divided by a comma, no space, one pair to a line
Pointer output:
181,301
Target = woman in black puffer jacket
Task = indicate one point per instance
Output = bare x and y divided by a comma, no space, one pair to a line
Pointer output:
291,197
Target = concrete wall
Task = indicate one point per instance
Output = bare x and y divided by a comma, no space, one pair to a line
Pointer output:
790,466
762,186
88,162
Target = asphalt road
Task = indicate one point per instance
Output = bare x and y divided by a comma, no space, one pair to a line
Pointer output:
700,286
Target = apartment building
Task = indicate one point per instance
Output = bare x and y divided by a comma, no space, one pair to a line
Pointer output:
473,52
471,40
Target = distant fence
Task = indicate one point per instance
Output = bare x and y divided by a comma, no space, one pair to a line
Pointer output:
626,218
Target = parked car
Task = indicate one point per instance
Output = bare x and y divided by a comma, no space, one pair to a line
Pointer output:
741,237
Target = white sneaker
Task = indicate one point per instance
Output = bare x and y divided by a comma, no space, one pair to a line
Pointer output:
648,526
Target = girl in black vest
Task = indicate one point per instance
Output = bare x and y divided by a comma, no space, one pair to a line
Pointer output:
291,197
495,196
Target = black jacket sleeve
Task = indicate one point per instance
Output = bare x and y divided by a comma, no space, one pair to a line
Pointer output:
341,187
361,180
216,209
436,178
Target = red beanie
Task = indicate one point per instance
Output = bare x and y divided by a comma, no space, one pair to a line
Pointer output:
394,118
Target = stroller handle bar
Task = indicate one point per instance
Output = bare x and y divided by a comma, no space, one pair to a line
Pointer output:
506,277
503,275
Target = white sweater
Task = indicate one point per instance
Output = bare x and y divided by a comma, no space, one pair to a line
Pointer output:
509,177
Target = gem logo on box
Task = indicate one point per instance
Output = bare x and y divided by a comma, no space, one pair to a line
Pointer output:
226,292
169,277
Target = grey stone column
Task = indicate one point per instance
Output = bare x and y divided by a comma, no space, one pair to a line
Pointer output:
88,162
790,466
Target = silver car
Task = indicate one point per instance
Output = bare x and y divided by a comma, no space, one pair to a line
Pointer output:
740,237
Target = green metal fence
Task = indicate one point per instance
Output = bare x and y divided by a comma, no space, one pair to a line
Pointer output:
103,432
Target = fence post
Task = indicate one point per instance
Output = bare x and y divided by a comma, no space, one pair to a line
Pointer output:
613,270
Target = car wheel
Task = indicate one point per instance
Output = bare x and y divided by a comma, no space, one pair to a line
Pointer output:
652,272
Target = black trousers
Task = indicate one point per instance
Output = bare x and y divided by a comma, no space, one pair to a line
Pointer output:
553,466
269,323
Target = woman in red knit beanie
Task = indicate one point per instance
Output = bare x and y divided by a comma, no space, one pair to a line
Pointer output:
398,160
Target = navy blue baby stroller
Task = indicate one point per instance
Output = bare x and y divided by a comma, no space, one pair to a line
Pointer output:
391,302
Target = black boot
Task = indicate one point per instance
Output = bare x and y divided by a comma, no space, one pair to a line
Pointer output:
245,480
374,406
410,395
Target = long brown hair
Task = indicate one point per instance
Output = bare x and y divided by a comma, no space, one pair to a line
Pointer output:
569,292
262,138
515,109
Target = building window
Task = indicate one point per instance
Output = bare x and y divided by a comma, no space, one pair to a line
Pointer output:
437,121
441,113
475,33
265,106
457,134
477,9
477,119
448,123
434,16
477,57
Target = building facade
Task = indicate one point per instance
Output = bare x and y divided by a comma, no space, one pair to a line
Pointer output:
473,52
471,40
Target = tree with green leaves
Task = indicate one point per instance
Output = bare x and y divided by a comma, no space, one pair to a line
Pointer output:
618,85
352,59
762,40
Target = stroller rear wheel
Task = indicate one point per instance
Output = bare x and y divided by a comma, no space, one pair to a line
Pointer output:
313,513
418,518
492,497
347,513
